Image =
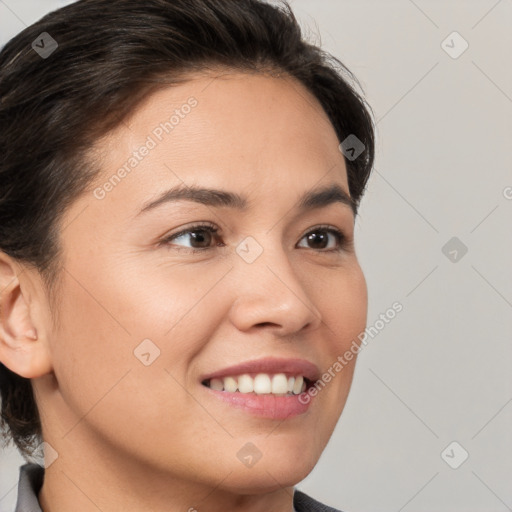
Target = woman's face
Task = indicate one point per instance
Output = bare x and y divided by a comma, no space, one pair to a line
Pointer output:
145,323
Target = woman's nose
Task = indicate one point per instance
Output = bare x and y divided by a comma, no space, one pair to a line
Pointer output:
270,293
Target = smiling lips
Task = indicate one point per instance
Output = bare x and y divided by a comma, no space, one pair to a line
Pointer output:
268,387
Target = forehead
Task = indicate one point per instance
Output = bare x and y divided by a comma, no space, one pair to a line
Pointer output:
250,131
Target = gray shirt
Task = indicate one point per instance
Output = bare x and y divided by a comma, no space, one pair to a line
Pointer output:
32,475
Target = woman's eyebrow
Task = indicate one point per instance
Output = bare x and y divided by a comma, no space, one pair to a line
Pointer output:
312,199
324,196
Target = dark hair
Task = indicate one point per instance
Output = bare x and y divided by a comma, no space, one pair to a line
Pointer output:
109,56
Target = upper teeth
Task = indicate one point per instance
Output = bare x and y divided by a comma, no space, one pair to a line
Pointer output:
261,384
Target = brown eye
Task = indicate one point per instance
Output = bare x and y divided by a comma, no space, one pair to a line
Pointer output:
319,239
199,237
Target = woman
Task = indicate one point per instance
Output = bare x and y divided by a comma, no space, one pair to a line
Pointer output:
178,278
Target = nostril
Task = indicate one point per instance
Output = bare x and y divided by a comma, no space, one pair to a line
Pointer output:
262,324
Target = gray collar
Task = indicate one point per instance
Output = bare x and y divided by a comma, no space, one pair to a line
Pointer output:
30,482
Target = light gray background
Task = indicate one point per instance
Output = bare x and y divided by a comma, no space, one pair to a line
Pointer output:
441,370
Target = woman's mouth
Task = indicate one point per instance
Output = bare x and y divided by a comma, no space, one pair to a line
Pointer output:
267,388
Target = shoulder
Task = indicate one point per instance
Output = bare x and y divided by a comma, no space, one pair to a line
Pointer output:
303,503
30,482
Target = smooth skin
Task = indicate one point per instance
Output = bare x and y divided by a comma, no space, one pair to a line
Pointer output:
132,437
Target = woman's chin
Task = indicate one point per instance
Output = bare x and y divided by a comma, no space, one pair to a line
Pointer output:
267,477
274,469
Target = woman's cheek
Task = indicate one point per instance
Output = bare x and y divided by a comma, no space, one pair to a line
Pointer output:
345,304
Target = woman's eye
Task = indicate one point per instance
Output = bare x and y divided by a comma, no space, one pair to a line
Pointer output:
200,237
320,237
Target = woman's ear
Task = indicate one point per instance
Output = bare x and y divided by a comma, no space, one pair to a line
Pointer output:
23,345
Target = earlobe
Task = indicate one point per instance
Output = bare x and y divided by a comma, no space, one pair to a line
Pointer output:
22,348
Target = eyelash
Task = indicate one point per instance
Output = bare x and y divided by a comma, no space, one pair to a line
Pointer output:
210,228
